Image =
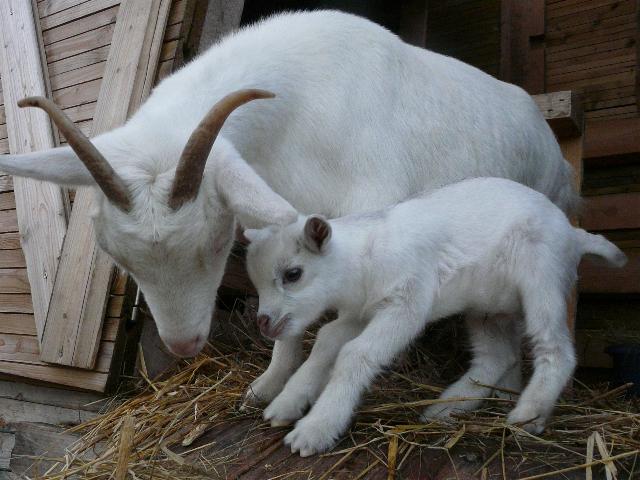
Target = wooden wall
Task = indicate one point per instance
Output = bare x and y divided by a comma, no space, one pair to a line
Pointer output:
76,36
591,47
468,30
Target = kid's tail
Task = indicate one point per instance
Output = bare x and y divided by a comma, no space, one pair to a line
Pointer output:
600,247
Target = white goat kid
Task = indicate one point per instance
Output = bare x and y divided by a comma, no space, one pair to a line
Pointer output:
491,248
360,121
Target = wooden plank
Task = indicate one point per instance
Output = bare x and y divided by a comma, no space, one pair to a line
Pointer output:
74,324
6,183
624,56
596,279
10,241
8,221
79,10
14,280
612,137
612,212
78,61
150,54
16,303
91,22
19,324
413,23
25,349
57,397
12,259
7,201
562,111
18,410
79,75
591,16
82,379
80,43
78,94
41,206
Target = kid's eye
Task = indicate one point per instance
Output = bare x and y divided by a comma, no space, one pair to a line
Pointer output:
292,275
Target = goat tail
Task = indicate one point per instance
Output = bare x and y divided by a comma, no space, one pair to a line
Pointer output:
599,247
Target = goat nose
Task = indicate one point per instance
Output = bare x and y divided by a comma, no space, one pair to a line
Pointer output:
263,321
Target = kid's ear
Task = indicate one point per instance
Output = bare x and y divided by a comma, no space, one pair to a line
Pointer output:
317,233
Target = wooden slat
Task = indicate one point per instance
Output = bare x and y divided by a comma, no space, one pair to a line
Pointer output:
6,183
151,51
7,201
82,379
78,94
79,10
10,241
24,349
74,323
612,212
80,43
78,76
16,303
19,324
12,259
612,137
78,61
41,207
14,280
596,279
91,22
8,221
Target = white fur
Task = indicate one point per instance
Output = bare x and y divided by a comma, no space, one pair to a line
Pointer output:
490,248
360,121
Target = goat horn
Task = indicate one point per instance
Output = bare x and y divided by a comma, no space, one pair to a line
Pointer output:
106,178
190,169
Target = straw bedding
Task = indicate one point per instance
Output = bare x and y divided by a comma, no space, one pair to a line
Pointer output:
187,425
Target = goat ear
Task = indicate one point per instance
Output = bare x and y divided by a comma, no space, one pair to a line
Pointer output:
58,165
249,197
317,233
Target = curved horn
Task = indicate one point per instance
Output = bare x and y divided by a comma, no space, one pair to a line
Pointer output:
106,178
190,170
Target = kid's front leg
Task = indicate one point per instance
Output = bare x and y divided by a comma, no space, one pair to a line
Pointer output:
286,358
390,332
304,387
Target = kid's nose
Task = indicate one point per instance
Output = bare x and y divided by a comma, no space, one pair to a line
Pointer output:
263,321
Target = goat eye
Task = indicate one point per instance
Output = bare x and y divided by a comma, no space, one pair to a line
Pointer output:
292,275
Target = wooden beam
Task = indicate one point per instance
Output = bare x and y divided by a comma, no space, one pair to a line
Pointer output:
73,328
413,22
594,278
563,112
222,17
615,137
612,212
41,207
522,30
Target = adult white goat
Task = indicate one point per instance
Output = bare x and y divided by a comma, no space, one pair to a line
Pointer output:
361,120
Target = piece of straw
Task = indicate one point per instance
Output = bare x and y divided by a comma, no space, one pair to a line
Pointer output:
127,431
